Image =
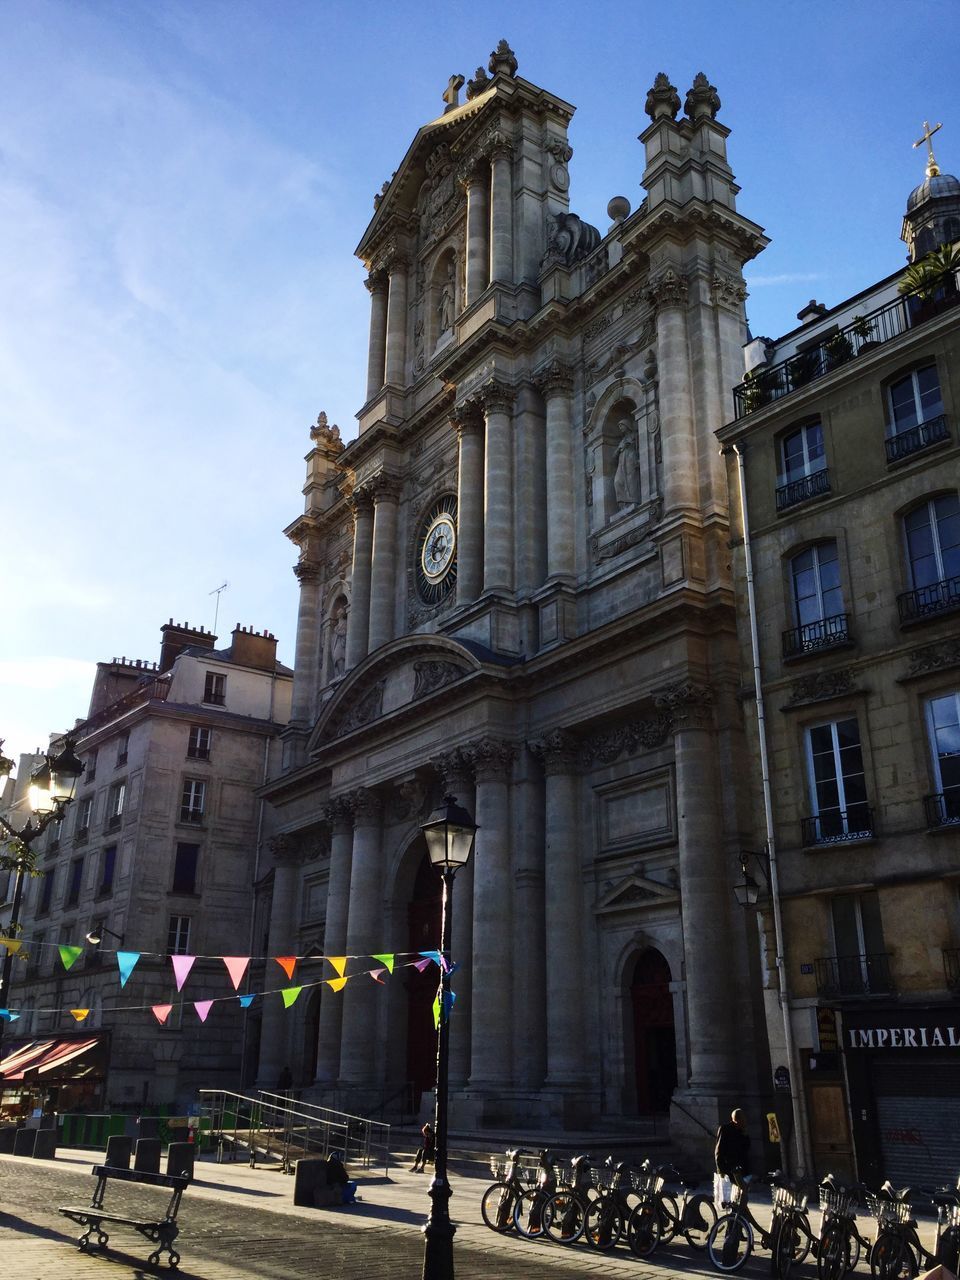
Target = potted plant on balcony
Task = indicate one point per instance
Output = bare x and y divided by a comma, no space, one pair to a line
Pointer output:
839,350
931,284
863,328
804,366
756,390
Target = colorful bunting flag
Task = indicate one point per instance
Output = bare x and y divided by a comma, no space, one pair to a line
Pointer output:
79,1014
236,967
126,963
375,975
339,964
246,1001
336,984
421,965
434,956
386,960
449,998
13,945
181,968
289,995
70,955
8,1016
161,1012
287,964
203,1007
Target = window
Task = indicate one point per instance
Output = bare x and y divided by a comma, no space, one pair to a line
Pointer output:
115,804
123,745
860,966
803,466
192,800
198,747
185,868
74,883
178,936
90,768
817,601
84,811
46,894
837,784
932,533
108,869
35,950
943,724
215,689
915,398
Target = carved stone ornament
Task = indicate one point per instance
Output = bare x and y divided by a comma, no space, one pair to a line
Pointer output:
689,705
409,799
560,149
821,685
727,291
467,418
663,101
454,767
668,290
935,657
603,550
285,849
366,709
702,99
306,571
619,309
325,434
490,758
479,84
433,674
496,396
376,282
360,501
555,379
568,240
494,142
627,740
367,807
502,61
338,812
558,752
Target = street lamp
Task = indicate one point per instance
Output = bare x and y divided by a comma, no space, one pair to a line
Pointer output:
95,936
747,892
450,833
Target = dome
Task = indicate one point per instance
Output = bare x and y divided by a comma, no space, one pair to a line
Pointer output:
943,184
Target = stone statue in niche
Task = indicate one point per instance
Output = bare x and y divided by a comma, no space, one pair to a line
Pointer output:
626,478
445,307
338,642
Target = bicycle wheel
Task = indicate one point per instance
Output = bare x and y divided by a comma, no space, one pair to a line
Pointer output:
603,1225
699,1215
528,1213
833,1252
643,1230
496,1207
668,1214
892,1258
786,1247
853,1250
564,1217
730,1242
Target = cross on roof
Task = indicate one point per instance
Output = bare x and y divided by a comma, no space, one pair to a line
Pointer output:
932,167
451,95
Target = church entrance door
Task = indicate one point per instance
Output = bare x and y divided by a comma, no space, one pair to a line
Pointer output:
424,916
655,1046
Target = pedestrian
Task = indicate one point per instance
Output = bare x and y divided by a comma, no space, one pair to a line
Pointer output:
337,1177
426,1150
731,1156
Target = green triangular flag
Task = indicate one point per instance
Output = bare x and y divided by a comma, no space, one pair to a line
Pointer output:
386,961
69,955
289,995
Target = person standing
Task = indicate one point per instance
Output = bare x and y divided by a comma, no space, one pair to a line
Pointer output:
731,1155
426,1149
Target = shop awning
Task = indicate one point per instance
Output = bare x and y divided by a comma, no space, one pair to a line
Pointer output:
12,1066
43,1057
63,1052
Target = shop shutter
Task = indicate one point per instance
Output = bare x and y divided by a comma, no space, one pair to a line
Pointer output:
918,1111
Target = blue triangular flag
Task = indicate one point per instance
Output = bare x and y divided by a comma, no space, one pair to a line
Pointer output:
247,1001
126,963
8,1016
432,955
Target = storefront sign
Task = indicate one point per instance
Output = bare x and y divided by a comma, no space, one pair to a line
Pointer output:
892,1031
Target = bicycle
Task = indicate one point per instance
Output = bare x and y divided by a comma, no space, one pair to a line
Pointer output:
898,1252
791,1236
528,1210
565,1212
498,1202
840,1242
730,1240
643,1225
608,1214
692,1218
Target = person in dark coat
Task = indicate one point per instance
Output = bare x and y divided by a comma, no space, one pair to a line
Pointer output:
732,1152
426,1151
337,1177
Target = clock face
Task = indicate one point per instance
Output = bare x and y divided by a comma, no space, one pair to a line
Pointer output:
436,562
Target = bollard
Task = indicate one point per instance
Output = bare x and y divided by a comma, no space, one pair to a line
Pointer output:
146,1156
119,1150
180,1156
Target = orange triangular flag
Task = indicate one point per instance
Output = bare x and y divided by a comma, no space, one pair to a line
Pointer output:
287,964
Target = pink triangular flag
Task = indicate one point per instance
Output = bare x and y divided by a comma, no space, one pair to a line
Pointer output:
375,975
181,968
203,1007
287,964
422,964
161,1012
236,967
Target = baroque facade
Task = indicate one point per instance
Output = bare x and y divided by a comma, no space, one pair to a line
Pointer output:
845,442
515,587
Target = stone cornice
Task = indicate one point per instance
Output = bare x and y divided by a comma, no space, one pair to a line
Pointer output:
697,217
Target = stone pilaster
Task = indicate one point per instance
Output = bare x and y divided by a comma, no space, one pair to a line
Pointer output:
475,184
468,421
669,293
274,1048
339,814
307,660
491,1039
360,1056
704,891
383,573
378,286
358,620
497,400
501,212
556,386
396,340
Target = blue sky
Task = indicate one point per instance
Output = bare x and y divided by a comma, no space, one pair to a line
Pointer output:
182,186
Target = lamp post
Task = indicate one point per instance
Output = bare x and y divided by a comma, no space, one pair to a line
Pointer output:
450,833
52,785
95,936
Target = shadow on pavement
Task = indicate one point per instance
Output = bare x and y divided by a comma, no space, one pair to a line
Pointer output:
23,1227
233,1189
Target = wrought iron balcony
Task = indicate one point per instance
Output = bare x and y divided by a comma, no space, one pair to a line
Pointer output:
864,975
113,822
839,826
193,816
814,485
812,637
926,602
943,809
81,835
917,438
951,967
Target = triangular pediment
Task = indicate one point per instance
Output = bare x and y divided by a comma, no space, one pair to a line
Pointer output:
636,891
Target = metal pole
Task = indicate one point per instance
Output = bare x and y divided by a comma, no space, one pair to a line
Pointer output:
8,954
439,1230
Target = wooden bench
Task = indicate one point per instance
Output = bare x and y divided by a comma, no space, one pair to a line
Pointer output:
159,1231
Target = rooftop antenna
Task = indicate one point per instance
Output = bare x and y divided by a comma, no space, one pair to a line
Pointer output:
216,592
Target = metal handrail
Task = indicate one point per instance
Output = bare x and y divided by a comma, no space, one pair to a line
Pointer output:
854,975
825,633
924,602
901,444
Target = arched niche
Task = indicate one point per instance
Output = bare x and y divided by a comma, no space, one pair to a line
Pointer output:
443,300
333,634
623,452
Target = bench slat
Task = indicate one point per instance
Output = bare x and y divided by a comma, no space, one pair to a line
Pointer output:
179,1181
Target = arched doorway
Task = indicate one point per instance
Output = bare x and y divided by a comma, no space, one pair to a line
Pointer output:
654,1037
423,916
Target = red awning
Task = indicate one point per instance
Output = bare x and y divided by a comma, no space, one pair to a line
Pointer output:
63,1052
13,1064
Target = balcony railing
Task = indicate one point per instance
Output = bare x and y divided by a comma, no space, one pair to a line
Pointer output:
925,602
113,822
812,486
194,816
812,637
839,826
943,809
890,321
951,967
865,975
917,438
81,835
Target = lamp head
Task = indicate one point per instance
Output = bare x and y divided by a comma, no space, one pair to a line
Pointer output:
65,771
450,833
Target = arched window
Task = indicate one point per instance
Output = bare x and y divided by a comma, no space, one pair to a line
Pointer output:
803,465
943,725
816,600
932,536
915,398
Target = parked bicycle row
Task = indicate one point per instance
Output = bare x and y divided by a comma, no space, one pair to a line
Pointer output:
645,1207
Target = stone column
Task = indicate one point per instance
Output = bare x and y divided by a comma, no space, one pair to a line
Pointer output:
556,385
455,771
275,1028
566,1032
358,619
704,890
383,573
339,813
360,1056
678,434
468,421
376,355
501,212
497,400
529,926
474,182
491,1049
396,345
306,664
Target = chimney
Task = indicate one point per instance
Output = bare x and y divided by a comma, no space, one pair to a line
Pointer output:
250,648
177,636
811,312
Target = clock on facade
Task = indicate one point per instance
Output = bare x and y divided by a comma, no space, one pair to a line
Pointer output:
436,569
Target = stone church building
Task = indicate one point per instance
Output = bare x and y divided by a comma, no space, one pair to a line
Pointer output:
515,587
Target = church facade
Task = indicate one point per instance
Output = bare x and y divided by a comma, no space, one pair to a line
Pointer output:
515,587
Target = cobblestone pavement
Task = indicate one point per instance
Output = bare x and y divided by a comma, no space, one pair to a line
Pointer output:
237,1223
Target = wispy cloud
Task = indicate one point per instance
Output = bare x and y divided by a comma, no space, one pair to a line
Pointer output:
786,277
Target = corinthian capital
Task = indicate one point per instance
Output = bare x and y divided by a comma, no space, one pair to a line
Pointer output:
555,379
385,486
689,705
455,768
496,396
467,418
339,813
558,752
367,807
668,290
307,572
361,502
490,758
377,282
